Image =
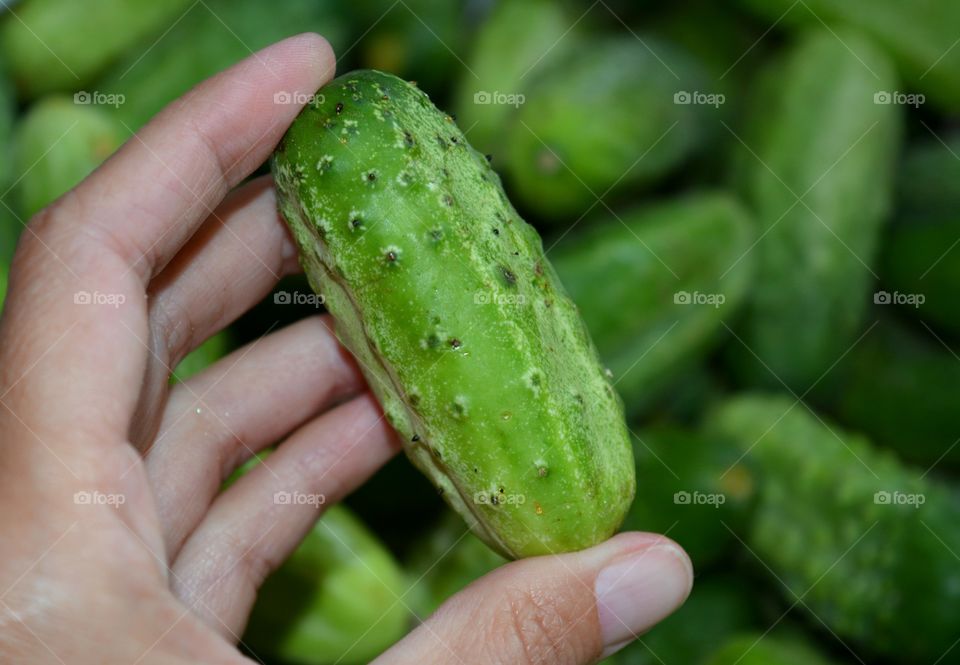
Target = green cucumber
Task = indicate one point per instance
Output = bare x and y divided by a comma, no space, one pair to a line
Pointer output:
717,609
920,35
657,289
415,39
920,262
338,598
212,350
53,45
818,133
694,489
444,561
220,33
899,387
768,649
465,334
611,118
58,144
867,544
519,41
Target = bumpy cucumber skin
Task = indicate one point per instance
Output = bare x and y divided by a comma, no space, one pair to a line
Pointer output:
445,297
606,119
879,574
320,605
220,33
82,137
919,254
518,42
624,278
899,387
59,46
820,134
919,35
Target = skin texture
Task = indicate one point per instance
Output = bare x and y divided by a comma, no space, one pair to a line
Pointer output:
465,334
169,575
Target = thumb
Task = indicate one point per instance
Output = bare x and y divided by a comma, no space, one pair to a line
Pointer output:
564,609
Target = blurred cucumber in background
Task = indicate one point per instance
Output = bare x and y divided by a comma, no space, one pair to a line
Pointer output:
657,286
59,141
57,46
768,649
209,38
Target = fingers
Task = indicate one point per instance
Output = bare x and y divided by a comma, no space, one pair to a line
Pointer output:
248,532
564,610
229,265
247,401
170,176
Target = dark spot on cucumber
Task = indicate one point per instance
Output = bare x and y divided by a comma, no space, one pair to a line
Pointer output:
453,139
339,108
494,500
415,438
433,341
448,200
408,139
496,231
542,471
371,176
436,235
489,158
391,256
508,276
538,269
455,343
355,223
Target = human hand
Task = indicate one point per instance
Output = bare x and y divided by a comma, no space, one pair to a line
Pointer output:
118,544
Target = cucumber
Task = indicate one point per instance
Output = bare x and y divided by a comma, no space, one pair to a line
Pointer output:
53,45
519,41
219,33
899,387
417,39
465,334
818,132
446,560
336,599
768,649
58,144
580,131
643,287
694,489
718,608
920,261
921,36
212,350
867,543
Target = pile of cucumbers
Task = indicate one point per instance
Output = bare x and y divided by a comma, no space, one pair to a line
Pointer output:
754,209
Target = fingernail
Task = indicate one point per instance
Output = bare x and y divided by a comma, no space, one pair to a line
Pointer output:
637,591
